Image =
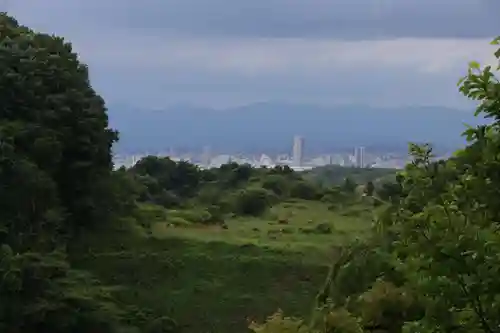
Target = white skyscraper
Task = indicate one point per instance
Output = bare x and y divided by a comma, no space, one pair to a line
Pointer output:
298,150
359,156
206,156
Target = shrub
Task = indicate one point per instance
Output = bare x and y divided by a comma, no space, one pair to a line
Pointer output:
162,325
276,184
178,221
41,293
193,215
252,201
147,214
304,190
278,323
323,228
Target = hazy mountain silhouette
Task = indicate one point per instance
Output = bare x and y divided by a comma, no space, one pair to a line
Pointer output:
271,127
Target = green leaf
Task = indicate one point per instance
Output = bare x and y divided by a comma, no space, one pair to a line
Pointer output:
497,53
474,65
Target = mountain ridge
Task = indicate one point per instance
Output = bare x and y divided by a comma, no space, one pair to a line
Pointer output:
270,126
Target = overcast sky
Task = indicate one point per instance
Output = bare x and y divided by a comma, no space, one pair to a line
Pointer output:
230,52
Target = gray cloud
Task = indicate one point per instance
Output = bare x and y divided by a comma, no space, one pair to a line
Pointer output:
340,19
377,86
227,52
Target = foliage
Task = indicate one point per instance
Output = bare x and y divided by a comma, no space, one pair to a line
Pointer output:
445,224
304,190
204,284
40,293
166,182
224,191
278,323
430,265
369,188
349,185
332,175
56,182
53,124
252,201
433,265
279,185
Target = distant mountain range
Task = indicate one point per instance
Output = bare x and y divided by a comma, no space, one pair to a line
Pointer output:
270,127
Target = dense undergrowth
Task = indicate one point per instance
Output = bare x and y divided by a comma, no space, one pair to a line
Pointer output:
80,251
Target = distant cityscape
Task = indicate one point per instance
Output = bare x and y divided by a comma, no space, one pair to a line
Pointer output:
297,160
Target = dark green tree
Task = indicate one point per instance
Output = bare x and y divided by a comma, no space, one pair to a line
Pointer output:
349,185
369,188
445,222
304,190
166,182
276,183
252,201
55,181
53,123
436,256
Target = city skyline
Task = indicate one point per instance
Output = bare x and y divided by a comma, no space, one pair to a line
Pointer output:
297,158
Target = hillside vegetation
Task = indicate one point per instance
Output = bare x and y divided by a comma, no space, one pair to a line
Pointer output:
167,247
335,175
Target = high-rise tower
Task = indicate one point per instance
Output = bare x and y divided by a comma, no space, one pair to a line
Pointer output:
359,156
298,151
206,156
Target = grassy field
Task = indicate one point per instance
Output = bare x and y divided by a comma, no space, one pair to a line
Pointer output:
212,279
299,225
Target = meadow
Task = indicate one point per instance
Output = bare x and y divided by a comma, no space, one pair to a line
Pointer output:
296,225
214,278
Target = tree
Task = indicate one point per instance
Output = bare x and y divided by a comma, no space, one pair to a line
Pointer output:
166,181
276,183
445,224
54,124
369,188
40,293
252,201
349,185
55,181
304,190
435,261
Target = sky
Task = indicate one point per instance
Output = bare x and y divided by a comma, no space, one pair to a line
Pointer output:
222,53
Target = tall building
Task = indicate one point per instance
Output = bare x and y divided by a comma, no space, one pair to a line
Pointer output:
359,157
298,151
206,156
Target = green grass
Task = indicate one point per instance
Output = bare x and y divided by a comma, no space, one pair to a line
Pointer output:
272,232
211,279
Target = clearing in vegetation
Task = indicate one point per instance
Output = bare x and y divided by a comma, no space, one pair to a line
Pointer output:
218,272
298,225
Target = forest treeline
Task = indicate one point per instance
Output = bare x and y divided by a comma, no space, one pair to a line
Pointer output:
431,264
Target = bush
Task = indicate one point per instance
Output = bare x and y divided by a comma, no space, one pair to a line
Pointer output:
192,215
178,221
162,325
304,190
320,229
332,320
252,201
41,293
147,214
323,228
209,195
278,323
276,184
